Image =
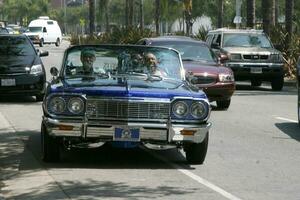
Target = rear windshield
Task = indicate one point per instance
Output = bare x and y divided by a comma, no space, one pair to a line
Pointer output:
16,46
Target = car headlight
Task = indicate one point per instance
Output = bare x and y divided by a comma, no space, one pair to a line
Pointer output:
276,58
198,110
226,77
235,56
75,105
57,105
180,109
36,69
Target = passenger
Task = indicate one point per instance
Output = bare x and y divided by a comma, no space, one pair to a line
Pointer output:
152,65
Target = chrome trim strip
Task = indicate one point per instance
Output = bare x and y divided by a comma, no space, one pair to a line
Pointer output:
255,64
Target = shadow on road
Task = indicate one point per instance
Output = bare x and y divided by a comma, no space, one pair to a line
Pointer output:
17,99
104,157
291,129
21,156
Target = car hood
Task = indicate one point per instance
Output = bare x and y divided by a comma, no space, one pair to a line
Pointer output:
16,64
204,68
251,50
130,89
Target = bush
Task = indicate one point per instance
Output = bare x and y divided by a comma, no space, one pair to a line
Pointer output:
116,36
290,50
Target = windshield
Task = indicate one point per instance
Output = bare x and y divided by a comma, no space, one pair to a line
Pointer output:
194,52
246,40
15,46
105,64
35,29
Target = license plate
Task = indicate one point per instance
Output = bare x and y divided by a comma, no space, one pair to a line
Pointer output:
256,70
8,82
127,134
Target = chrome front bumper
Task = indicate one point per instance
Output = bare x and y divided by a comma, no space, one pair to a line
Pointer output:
103,130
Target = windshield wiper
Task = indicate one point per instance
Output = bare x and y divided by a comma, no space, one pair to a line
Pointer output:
88,77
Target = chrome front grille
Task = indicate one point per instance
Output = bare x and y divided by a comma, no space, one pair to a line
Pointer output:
203,80
127,109
255,57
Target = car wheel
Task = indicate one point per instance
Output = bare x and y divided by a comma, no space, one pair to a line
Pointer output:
57,43
196,152
277,83
42,42
39,97
256,83
223,104
50,146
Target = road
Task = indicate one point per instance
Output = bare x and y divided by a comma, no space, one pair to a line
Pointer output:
253,153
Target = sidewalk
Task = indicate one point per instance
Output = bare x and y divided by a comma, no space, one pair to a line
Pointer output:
21,175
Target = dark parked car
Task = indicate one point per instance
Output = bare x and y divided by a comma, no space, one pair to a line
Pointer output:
298,86
202,67
123,102
251,55
21,69
3,31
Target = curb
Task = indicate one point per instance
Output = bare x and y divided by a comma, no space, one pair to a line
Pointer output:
290,83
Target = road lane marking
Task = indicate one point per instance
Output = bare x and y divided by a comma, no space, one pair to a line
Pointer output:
208,184
195,177
286,119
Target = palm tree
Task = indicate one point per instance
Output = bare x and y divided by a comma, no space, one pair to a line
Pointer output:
220,13
250,13
289,9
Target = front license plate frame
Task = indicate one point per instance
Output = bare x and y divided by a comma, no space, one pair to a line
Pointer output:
8,82
127,134
256,70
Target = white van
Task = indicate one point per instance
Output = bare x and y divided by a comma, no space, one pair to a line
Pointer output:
44,31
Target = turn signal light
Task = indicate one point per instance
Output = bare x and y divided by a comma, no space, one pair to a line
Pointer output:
187,132
65,128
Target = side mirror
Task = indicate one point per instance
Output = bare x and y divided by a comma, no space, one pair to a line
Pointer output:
215,46
43,53
54,71
222,58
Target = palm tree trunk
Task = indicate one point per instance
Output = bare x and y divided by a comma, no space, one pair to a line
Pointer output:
220,13
188,16
142,15
157,16
289,9
92,16
273,11
130,15
266,11
276,11
250,13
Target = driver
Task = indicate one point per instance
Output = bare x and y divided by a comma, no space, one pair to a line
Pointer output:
87,57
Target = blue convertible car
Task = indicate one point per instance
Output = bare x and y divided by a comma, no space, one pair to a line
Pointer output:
133,95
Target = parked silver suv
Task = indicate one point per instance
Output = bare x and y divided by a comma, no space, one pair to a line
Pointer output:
251,55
